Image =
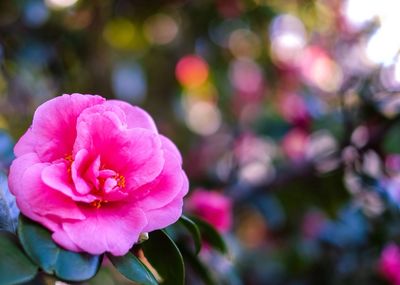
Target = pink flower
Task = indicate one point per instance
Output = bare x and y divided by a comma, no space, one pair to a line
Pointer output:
97,174
212,207
389,263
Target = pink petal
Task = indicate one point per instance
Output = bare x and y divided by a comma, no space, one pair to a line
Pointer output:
26,143
53,130
43,200
17,170
171,147
165,187
77,171
165,216
170,213
93,172
62,239
56,177
134,153
111,228
135,116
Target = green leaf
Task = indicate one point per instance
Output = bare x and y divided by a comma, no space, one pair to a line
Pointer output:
210,235
165,257
53,259
199,267
105,276
132,268
194,230
15,266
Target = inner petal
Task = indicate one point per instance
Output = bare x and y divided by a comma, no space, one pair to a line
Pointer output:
91,177
109,185
79,167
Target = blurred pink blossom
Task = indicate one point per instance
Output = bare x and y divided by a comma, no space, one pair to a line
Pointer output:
213,207
389,263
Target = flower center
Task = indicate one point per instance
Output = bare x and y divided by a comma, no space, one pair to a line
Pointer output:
69,158
120,180
94,178
98,203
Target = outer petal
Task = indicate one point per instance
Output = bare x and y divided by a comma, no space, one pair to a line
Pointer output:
168,214
53,130
171,147
61,238
26,143
134,153
17,170
168,185
135,116
43,200
112,228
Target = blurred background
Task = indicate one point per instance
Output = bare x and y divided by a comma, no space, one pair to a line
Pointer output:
286,113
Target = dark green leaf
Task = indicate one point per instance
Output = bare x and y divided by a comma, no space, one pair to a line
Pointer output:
66,265
165,257
8,208
105,276
15,266
132,268
194,230
210,235
198,266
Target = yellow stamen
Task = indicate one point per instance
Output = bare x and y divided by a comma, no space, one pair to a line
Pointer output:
120,180
70,160
98,203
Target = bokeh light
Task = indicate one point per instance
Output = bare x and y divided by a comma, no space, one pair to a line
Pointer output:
246,76
359,12
288,38
203,117
191,71
121,33
161,29
35,13
321,70
244,43
60,4
129,82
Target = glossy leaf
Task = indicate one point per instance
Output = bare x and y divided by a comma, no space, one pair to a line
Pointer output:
8,207
66,265
132,268
194,230
210,235
199,267
165,257
15,266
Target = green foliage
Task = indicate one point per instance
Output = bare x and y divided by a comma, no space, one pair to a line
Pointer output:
51,258
194,230
15,266
133,269
210,235
199,267
21,259
165,257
